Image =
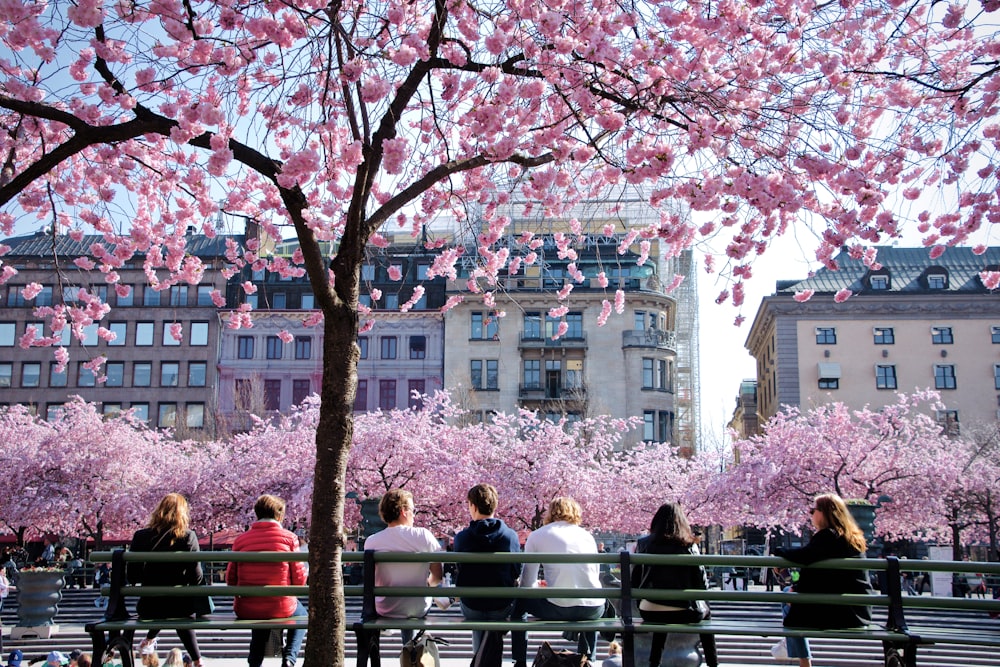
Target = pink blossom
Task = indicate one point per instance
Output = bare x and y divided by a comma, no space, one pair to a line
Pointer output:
991,279
605,313
285,336
619,301
804,295
396,152
395,272
842,295
177,331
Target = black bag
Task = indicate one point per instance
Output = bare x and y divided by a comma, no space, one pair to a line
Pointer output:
549,657
421,651
490,653
204,604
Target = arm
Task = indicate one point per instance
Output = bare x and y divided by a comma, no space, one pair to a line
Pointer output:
437,574
820,547
195,576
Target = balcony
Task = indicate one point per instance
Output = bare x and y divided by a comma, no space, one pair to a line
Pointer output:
541,392
568,342
658,339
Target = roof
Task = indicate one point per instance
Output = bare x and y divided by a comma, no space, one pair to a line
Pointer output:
907,270
40,245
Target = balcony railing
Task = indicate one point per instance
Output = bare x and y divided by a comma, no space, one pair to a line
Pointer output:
541,392
661,339
529,341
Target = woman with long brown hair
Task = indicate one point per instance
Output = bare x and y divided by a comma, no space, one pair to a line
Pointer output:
837,536
168,530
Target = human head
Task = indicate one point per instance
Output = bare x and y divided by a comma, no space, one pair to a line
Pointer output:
614,648
84,660
833,514
269,507
175,658
74,656
172,514
15,658
564,508
671,525
150,660
394,504
187,660
484,498
56,658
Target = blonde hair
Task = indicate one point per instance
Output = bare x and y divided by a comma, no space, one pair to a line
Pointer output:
564,508
175,658
614,648
151,660
839,520
172,515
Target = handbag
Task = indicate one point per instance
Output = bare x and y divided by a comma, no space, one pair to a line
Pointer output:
490,653
780,650
549,657
421,651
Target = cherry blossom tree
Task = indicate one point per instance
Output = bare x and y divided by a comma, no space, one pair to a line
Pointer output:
860,455
335,120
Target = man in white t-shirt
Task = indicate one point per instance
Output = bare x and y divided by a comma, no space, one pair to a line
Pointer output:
397,510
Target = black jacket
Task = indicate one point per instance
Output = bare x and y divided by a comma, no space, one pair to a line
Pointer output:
672,577
165,574
487,536
823,545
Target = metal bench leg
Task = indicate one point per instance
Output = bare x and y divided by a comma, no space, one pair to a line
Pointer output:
368,648
899,655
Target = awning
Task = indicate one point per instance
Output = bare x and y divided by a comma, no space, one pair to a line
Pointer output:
829,371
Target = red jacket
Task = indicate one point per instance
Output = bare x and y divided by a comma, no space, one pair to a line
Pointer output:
265,536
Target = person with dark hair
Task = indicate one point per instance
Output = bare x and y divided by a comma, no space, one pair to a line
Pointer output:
561,533
168,531
267,534
398,511
486,534
670,533
837,536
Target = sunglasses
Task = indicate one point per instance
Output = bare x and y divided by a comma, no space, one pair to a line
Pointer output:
813,510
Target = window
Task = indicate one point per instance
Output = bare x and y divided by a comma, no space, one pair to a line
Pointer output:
150,297
829,375
56,378
142,374
168,415
937,281
386,394
575,322
941,336
308,301
85,377
199,334
120,330
7,330
31,375
205,295
387,345
115,372
65,336
422,270
639,320
648,373
244,347
168,336
279,300
368,272
196,373
90,335
996,376
533,325
391,301
128,298
272,394
995,335
363,346
879,282
179,295
944,376
491,378
111,409
415,390
662,376
169,373
273,345
361,398
948,420
194,415
664,425
826,336
418,347
484,327
532,374
649,425
53,411
303,347
884,336
141,411
574,374
243,393
44,297
885,376
71,294
6,374
300,391
144,334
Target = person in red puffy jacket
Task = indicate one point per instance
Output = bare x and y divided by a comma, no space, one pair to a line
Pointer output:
266,534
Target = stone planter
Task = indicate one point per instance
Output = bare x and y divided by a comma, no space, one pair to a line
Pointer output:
38,596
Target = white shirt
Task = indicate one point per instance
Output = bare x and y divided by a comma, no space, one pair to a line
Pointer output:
408,539
566,538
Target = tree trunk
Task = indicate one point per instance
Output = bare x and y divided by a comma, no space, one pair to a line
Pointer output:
956,541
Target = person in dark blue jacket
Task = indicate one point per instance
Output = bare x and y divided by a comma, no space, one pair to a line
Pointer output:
486,534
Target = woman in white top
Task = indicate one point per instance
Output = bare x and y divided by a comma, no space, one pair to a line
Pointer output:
560,534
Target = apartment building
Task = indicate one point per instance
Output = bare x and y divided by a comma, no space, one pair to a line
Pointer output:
169,382
912,323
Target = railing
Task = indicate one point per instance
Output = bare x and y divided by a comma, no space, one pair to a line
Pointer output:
661,339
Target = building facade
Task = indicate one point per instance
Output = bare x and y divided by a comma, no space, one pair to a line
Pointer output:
912,323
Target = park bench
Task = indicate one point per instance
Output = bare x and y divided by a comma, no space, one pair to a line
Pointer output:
899,639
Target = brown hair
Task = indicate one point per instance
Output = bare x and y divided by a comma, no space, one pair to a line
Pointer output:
670,524
269,507
485,498
393,502
839,519
564,508
172,515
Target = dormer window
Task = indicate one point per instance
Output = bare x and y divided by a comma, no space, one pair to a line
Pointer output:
937,281
879,281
